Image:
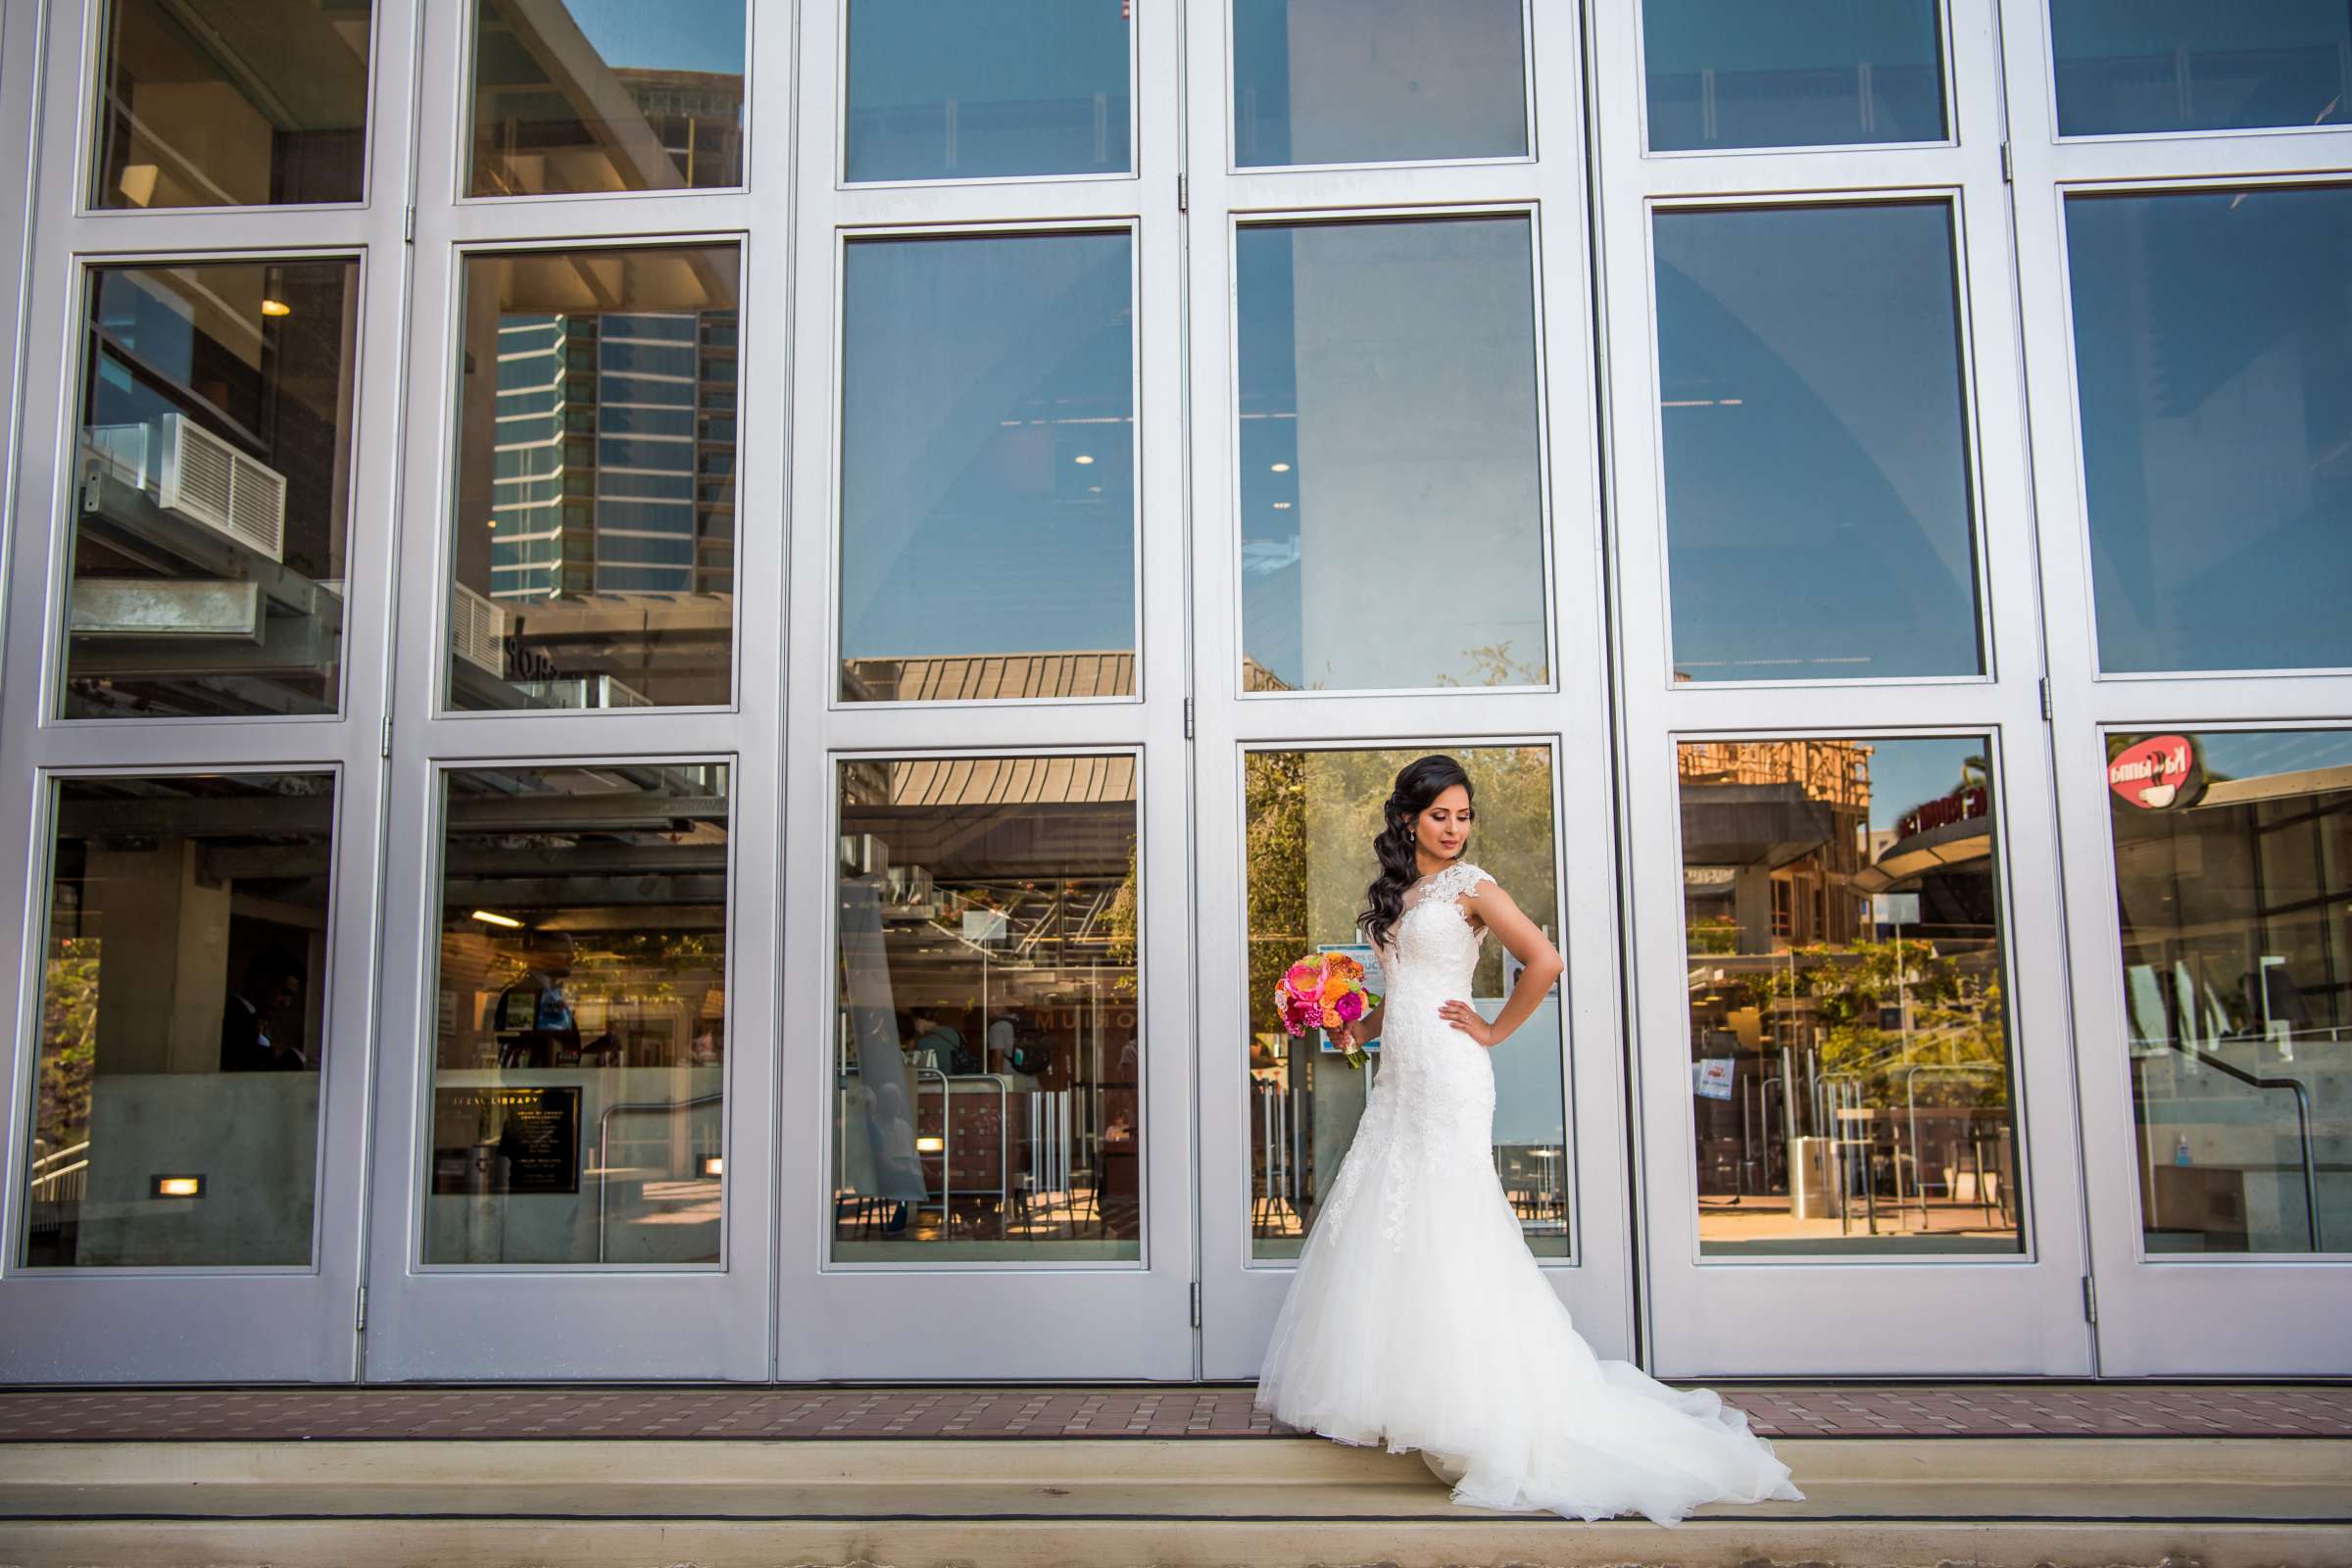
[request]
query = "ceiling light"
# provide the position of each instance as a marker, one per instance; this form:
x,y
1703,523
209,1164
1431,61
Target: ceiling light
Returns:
x,y
488,918
1281,506
930,1145
270,307
1082,458
1282,468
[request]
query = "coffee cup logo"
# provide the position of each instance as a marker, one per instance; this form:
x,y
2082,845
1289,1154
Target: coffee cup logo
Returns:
x,y
2158,772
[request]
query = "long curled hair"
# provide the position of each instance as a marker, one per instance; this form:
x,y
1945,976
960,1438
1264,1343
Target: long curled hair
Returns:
x,y
1418,783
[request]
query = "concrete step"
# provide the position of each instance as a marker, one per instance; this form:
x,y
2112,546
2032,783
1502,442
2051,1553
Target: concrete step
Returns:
x,y
1038,1503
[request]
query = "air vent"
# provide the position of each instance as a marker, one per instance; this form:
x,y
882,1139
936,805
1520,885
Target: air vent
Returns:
x,y
209,482
477,631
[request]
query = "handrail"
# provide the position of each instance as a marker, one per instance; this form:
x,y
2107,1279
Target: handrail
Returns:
x,y
604,1145
1911,1113
2302,1093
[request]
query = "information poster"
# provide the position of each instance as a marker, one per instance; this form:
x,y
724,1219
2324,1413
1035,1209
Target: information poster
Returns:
x,y
534,1132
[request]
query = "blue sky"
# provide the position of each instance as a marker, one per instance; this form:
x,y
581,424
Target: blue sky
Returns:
x,y
674,36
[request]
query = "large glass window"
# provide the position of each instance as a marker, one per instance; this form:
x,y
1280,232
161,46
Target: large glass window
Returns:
x,y
988,508
945,89
1818,513
182,1029
579,96
580,1023
1850,1071
988,1030
217,103
2233,882
2127,66
1312,815
212,490
1791,73
1376,81
595,519
2212,346
1389,431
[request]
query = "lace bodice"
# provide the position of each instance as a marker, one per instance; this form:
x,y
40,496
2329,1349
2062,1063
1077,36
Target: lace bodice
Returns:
x,y
1429,950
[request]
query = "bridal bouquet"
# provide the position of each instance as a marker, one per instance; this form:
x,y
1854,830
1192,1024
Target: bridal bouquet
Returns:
x,y
1324,991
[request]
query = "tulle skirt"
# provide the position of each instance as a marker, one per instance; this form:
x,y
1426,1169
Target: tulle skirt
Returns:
x,y
1419,1320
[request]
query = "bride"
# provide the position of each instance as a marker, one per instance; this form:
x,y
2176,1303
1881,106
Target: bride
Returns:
x,y
1418,1318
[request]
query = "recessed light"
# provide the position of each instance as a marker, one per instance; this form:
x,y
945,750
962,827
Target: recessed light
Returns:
x,y
1082,458
714,1165
930,1145
276,307
175,1186
1282,468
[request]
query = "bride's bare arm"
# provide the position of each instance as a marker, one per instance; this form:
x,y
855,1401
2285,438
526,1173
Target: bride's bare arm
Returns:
x,y
1541,963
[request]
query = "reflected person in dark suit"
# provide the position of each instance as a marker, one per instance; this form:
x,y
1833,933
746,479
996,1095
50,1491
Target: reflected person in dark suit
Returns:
x,y
272,987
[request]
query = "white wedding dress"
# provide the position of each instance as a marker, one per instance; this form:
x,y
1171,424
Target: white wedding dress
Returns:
x,y
1418,1318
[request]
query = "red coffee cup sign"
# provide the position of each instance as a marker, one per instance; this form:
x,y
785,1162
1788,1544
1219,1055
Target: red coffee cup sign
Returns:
x,y
2158,772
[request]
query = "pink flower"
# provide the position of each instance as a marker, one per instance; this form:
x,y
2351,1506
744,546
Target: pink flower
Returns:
x,y
1304,978
1350,1007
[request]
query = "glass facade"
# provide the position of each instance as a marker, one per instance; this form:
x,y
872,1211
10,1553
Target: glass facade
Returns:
x,y
1816,444
598,449
1734,74
675,674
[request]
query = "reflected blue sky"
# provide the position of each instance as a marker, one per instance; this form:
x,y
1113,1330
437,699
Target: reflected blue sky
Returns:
x,y
1904,773
988,468
1817,486
673,35
1791,73
2193,64
2213,344
949,90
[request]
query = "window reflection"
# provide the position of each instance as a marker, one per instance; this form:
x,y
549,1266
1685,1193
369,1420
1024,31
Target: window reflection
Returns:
x,y
2233,879
214,103
1850,1074
944,89
989,1023
580,1034
2129,66
1367,81
1816,464
214,490
988,468
579,96
1311,819
1388,380
2216,395
1791,73
182,1026
594,524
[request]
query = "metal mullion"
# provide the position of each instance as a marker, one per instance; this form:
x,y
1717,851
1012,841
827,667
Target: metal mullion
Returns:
x,y
1835,709
613,733
2174,702
1082,203
575,221
1411,185
1398,720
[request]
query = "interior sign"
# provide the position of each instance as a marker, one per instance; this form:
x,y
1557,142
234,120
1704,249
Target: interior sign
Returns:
x,y
2157,772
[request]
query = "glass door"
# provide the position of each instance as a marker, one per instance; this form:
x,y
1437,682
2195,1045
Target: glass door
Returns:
x,y
986,1028
1394,552
197,626
574,1127
2184,223
1855,1087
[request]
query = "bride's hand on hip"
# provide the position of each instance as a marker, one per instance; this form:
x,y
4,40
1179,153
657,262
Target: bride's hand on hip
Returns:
x,y
1465,1017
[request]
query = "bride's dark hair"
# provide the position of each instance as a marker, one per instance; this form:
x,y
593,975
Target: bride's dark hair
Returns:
x,y
1418,783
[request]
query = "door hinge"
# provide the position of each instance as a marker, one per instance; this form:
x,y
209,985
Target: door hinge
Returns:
x,y
386,749
1188,719
2090,1299
2045,699
360,1323
1183,193
2008,166
1196,1303
408,224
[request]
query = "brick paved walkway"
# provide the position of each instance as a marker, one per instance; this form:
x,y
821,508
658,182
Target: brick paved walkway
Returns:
x,y
1889,1410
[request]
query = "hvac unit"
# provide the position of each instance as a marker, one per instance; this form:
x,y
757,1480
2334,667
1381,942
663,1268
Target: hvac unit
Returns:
x,y
477,631
205,480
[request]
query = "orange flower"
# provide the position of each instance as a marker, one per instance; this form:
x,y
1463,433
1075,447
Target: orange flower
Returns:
x,y
1331,1018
